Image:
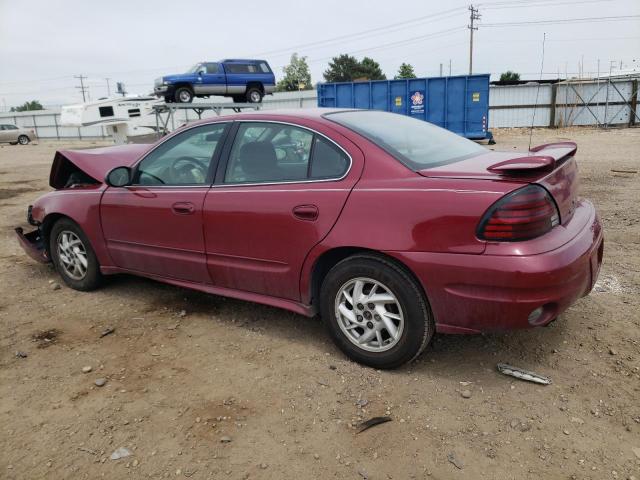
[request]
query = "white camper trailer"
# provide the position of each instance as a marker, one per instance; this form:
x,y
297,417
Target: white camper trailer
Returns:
x,y
127,119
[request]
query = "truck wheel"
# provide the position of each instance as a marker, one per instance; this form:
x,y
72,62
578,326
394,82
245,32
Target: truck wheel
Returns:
x,y
375,311
254,95
184,95
73,256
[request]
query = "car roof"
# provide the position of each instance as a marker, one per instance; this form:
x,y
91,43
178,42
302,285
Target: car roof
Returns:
x,y
289,113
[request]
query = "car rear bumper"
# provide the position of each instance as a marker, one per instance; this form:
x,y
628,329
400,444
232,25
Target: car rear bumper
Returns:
x,y
482,293
33,244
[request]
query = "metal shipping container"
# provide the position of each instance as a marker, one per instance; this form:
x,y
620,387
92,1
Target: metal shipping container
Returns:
x,y
459,104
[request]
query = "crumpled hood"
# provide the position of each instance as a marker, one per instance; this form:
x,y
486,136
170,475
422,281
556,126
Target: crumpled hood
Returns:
x,y
94,162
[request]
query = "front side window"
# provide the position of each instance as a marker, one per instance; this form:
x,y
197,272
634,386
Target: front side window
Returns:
x,y
212,68
184,159
273,152
415,143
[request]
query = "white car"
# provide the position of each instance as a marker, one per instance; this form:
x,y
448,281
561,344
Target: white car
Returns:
x,y
14,135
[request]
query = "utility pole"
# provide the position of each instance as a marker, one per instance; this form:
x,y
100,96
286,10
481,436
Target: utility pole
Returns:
x,y
108,88
440,69
473,15
449,67
82,88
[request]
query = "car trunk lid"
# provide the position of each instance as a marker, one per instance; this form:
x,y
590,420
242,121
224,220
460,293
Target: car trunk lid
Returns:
x,y
551,165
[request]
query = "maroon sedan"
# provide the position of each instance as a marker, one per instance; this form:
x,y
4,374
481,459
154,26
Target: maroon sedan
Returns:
x,y
391,228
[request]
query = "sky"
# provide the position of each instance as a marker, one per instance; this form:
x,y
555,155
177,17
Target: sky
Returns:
x,y
45,43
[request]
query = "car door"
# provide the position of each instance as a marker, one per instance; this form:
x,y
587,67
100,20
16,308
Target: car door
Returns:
x,y
279,190
211,80
154,225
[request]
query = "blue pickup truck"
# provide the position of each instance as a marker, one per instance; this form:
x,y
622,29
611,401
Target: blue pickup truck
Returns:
x,y
242,80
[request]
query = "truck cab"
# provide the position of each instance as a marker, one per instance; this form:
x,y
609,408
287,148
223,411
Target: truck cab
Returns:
x,y
241,79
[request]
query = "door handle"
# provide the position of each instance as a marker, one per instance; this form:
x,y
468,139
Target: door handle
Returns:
x,y
183,208
306,212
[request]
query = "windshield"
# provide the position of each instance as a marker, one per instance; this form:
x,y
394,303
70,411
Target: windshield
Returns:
x,y
195,68
416,143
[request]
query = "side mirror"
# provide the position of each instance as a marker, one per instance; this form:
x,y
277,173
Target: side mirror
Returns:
x,y
119,177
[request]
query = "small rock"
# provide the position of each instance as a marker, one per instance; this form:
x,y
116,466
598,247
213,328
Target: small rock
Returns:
x,y
263,466
107,331
363,474
577,420
225,439
332,367
182,313
466,393
87,369
613,351
455,461
20,354
119,453
55,286
363,402
565,431
135,463
316,456
100,382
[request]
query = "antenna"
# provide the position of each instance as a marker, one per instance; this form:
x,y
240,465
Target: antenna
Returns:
x,y
533,120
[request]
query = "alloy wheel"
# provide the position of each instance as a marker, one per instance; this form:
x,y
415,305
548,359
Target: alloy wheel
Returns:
x,y
369,314
72,254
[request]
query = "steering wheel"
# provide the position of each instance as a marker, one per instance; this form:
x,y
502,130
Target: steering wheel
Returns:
x,y
188,170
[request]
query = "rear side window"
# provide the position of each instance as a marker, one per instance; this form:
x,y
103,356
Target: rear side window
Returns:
x,y
241,68
327,161
415,143
266,152
264,67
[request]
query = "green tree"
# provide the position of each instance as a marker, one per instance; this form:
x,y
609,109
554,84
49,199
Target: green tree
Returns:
x,y
509,76
28,106
296,75
405,71
343,68
370,69
347,68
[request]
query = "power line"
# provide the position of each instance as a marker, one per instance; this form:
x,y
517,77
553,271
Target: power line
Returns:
x,y
563,21
365,33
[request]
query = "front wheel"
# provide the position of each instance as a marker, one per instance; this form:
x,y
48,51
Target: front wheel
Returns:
x,y
73,256
375,311
183,95
23,140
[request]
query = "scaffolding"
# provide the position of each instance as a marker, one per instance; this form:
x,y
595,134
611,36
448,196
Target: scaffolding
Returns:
x,y
166,112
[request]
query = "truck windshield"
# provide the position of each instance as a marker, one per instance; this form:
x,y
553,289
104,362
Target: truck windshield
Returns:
x,y
195,68
415,143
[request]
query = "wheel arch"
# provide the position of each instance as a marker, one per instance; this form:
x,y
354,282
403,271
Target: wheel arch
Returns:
x,y
255,84
328,259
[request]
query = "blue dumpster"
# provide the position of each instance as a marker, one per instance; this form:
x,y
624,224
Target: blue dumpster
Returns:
x,y
459,104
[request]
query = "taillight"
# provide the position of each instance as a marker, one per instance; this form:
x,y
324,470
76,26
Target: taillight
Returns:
x,y
524,214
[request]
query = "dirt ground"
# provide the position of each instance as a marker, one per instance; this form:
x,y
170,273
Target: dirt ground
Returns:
x,y
204,387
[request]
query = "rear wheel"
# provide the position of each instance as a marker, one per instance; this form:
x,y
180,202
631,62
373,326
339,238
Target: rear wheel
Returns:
x,y
23,140
73,256
183,95
254,95
375,311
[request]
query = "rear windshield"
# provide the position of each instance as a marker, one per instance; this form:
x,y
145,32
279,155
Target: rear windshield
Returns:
x,y
416,143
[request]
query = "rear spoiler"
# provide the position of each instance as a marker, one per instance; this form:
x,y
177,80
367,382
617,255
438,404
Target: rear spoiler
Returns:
x,y
531,163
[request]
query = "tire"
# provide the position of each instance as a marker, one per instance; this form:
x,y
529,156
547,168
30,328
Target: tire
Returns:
x,y
183,95
23,140
254,95
415,325
84,281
